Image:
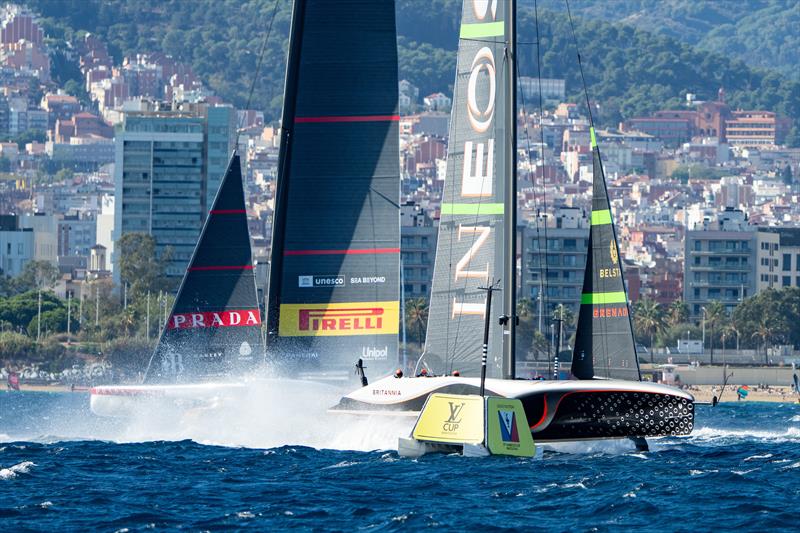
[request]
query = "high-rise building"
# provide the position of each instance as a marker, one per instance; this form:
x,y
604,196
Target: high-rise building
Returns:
x,y
16,245
418,235
728,260
168,166
554,258
720,261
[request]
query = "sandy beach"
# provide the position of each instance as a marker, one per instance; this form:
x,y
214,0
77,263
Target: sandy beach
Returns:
x,y
704,393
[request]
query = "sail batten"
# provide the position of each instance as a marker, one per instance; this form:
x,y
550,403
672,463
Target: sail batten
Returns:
x,y
214,329
604,343
335,270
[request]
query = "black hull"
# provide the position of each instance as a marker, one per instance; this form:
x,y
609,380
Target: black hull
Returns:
x,y
556,410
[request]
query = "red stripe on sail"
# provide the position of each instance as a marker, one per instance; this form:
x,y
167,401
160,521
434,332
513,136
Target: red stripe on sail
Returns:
x,y
363,251
227,211
215,319
355,118
222,267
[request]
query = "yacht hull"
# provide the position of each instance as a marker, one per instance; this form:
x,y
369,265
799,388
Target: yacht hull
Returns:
x,y
556,410
128,401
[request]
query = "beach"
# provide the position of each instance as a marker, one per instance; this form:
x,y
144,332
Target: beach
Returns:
x,y
776,394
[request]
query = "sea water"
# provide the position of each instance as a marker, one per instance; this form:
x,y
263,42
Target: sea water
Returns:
x,y
269,465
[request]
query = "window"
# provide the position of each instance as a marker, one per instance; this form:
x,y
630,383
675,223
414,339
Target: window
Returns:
x,y
697,260
697,293
787,281
697,246
787,262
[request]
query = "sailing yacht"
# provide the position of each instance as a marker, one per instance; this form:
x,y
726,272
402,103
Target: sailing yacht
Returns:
x,y
213,335
476,247
334,291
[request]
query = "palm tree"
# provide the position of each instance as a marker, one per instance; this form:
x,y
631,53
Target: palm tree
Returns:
x,y
715,315
728,330
417,316
128,320
524,309
677,313
648,320
764,332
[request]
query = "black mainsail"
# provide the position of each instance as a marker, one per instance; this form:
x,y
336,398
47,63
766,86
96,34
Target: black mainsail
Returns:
x,y
476,214
604,345
214,329
334,289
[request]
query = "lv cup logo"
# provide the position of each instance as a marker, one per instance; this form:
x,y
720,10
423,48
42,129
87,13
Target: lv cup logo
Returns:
x,y
452,422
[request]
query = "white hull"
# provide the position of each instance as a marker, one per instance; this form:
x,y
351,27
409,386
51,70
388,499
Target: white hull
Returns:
x,y
556,410
129,400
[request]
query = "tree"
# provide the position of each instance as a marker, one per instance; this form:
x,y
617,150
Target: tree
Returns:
x,y
140,267
677,313
417,317
764,332
715,315
648,320
36,275
786,174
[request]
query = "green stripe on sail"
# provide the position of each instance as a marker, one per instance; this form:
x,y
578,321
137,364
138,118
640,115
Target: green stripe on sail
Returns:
x,y
603,298
473,209
592,135
487,29
601,216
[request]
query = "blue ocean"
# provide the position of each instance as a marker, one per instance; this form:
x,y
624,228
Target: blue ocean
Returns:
x,y
250,467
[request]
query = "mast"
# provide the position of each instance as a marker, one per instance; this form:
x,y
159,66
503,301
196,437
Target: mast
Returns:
x,y
510,156
282,188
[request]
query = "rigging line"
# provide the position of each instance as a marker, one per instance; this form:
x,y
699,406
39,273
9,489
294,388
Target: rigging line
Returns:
x,y
536,218
613,227
580,64
258,64
379,193
543,292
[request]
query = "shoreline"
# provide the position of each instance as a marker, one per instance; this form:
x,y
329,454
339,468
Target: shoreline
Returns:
x,y
776,394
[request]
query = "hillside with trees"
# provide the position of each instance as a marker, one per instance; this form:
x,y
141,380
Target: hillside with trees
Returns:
x,y
762,33
630,71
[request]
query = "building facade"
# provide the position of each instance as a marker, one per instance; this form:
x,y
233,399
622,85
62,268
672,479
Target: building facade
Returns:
x,y
168,166
16,245
554,258
418,234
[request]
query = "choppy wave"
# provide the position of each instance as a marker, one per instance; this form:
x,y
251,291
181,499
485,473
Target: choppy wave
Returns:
x,y
254,466
12,471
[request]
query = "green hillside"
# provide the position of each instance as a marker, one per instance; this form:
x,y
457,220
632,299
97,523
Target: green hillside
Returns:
x,y
762,33
629,71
